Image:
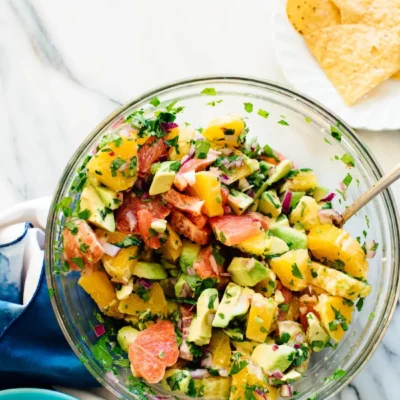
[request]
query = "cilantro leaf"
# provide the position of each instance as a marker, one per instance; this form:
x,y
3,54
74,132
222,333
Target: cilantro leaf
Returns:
x,y
209,92
335,133
296,272
347,180
155,102
283,122
211,301
128,242
248,107
78,261
263,113
348,160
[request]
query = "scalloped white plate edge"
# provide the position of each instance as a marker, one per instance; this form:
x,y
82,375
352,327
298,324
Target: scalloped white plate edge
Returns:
x,y
377,112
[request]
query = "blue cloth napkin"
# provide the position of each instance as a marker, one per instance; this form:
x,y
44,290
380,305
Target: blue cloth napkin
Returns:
x,y
33,350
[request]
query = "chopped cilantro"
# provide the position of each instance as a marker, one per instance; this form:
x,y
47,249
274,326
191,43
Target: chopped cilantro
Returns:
x,y
211,301
51,292
248,107
283,122
335,133
201,149
348,303
348,160
237,364
337,374
209,92
222,237
360,304
229,132
285,337
84,248
143,293
367,220
347,180
65,206
296,272
214,103
221,315
263,113
284,307
195,350
155,102
269,152
115,164
85,214
317,343
173,143
71,227
78,261
128,242
308,119
327,141
371,316
339,320
314,273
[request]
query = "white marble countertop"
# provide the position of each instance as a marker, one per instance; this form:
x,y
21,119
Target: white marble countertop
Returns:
x,y
65,65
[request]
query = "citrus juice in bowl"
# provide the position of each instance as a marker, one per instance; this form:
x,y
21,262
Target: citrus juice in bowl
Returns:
x,y
200,218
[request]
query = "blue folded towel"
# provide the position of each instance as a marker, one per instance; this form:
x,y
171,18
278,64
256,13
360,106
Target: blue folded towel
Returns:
x,y
33,350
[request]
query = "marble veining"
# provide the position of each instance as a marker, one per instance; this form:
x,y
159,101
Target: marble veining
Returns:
x,y
65,65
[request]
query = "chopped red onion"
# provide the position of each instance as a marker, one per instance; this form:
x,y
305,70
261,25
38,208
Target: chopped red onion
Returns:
x,y
299,338
369,246
215,171
117,123
191,271
213,153
225,162
275,347
342,186
110,249
93,151
251,193
226,151
286,391
99,330
329,197
145,283
329,216
163,157
227,210
145,196
191,151
225,179
223,372
189,177
185,159
277,374
206,362
167,126
199,373
110,377
198,137
125,132
132,220
287,198
214,264
296,346
253,146
271,171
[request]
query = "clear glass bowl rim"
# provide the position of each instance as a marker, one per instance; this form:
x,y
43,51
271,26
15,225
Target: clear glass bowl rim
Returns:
x,y
389,203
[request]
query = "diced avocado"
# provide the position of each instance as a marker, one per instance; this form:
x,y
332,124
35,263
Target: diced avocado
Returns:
x,y
291,376
189,253
247,271
149,270
177,380
200,328
182,289
172,306
245,347
174,272
276,247
164,177
239,202
319,193
254,205
265,167
289,330
235,302
296,196
125,290
234,334
282,220
99,214
272,359
269,204
268,285
126,336
294,238
213,388
166,264
316,334
281,170
110,198
168,286
159,225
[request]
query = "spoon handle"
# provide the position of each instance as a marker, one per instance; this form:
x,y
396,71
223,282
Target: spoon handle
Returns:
x,y
379,186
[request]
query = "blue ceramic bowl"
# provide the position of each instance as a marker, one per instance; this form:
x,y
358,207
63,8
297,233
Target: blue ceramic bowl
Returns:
x,y
33,394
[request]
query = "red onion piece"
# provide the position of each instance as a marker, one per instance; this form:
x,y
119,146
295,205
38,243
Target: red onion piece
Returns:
x,y
99,330
206,362
110,249
329,216
191,271
287,198
191,151
225,162
213,153
275,347
132,220
93,151
286,391
342,186
329,197
163,157
369,247
145,283
185,159
226,151
277,374
117,123
214,264
251,193
224,179
198,137
199,373
271,171
299,338
296,346
227,210
167,126
189,177
110,377
223,372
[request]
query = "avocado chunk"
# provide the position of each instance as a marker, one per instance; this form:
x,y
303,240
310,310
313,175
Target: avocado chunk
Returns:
x,y
254,205
272,359
125,290
245,347
234,334
291,376
235,302
239,202
177,380
281,220
200,328
247,271
164,177
288,332
296,196
213,388
126,336
319,193
292,237
268,285
149,270
189,253
166,264
269,204
100,215
159,225
182,288
111,198
316,334
276,247
265,167
281,170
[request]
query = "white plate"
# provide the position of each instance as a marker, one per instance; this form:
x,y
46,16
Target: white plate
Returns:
x,y
380,110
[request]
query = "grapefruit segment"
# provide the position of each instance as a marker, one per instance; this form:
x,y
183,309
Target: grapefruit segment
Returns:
x,y
152,239
149,153
206,265
182,224
185,203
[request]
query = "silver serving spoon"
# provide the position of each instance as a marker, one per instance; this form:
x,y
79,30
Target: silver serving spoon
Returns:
x,y
379,186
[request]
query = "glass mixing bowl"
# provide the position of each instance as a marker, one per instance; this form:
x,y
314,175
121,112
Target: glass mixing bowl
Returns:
x,y
308,142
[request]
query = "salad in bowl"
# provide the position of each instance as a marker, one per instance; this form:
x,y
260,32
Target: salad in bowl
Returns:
x,y
222,262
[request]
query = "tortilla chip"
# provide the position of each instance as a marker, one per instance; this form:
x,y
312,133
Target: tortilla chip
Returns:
x,y
307,16
356,58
